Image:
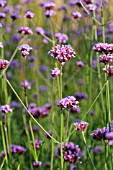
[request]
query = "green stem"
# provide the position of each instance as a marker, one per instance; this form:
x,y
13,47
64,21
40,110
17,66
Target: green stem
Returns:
x,y
30,113
4,144
88,110
88,151
61,122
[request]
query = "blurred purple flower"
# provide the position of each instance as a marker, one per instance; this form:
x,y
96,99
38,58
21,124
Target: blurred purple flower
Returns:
x,y
2,15
15,16
49,5
80,63
100,134
25,48
29,15
16,149
7,9
43,89
76,15
16,38
55,72
39,30
43,68
15,104
62,38
26,84
3,3
49,13
24,30
97,149
37,164
5,109
3,64
80,96
37,143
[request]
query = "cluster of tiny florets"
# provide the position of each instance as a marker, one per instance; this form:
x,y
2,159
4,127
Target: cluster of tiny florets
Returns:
x,y
68,102
25,49
63,53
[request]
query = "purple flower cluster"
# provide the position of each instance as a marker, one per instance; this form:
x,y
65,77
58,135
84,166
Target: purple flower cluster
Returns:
x,y
25,49
5,109
48,6
82,126
100,134
39,111
62,38
81,96
68,102
63,53
106,57
26,84
3,3
37,164
40,30
71,152
55,72
2,15
14,16
29,15
3,64
76,15
15,149
91,7
103,48
104,134
25,30
38,143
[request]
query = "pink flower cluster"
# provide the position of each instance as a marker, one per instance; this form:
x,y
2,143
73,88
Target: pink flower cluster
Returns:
x,y
106,57
63,53
68,102
82,126
3,64
103,48
48,6
25,49
76,14
55,72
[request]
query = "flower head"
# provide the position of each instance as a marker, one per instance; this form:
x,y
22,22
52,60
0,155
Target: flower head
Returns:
x,y
37,164
99,134
82,126
3,64
76,14
29,15
55,72
108,70
63,53
25,49
5,109
3,3
68,102
26,84
62,38
25,30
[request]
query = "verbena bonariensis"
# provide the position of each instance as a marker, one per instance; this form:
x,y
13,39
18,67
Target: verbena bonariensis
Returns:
x,y
63,53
